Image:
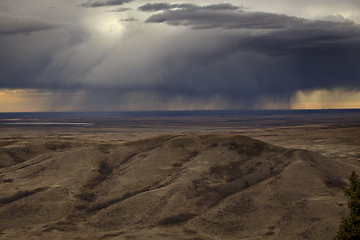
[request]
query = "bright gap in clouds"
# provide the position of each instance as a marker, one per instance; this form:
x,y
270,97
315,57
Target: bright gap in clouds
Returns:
x,y
105,24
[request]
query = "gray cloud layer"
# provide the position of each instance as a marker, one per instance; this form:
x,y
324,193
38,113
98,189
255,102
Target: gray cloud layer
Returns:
x,y
153,7
120,9
292,54
105,3
10,25
183,50
207,18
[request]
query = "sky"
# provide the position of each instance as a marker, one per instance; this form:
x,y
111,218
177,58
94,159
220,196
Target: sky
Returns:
x,y
108,55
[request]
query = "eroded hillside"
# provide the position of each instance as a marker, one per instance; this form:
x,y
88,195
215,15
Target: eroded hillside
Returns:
x,y
168,187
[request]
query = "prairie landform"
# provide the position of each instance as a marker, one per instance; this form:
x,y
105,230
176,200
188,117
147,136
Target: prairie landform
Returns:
x,y
73,183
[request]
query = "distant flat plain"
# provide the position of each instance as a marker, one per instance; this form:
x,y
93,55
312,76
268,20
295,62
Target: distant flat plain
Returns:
x,y
333,133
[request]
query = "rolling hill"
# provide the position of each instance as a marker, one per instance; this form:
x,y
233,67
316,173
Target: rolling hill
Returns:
x,y
189,187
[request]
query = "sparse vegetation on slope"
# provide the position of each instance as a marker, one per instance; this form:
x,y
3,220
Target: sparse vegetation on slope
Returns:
x,y
349,228
170,187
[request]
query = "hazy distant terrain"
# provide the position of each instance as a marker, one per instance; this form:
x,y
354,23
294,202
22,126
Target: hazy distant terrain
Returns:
x,y
200,182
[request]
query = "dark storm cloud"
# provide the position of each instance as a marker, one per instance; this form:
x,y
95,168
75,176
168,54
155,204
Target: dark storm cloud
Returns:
x,y
221,6
222,51
105,3
317,38
207,19
284,34
24,58
263,55
120,9
10,25
131,19
247,76
153,7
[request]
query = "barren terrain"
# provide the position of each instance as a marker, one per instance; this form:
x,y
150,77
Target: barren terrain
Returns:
x,y
205,181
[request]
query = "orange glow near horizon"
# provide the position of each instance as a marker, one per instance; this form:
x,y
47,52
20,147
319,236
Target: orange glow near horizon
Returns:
x,y
32,100
20,100
326,99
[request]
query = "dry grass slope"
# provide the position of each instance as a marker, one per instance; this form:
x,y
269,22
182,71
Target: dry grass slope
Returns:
x,y
168,187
